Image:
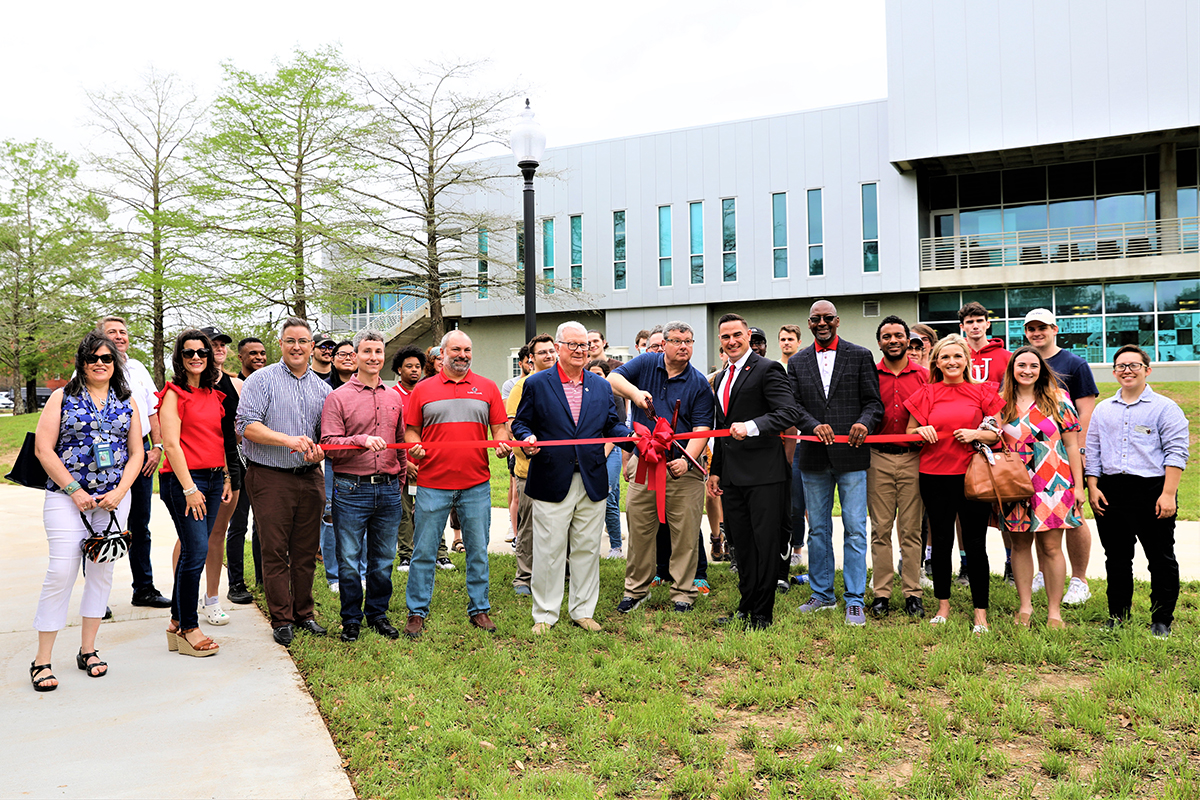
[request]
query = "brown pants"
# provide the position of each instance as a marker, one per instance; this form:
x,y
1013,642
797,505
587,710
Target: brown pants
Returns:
x,y
288,510
524,534
894,496
685,506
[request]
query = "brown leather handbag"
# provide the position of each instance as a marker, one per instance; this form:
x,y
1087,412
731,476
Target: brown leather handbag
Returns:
x,y
1007,481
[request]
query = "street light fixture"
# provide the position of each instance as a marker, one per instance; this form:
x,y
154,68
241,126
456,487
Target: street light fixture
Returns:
x,y
528,143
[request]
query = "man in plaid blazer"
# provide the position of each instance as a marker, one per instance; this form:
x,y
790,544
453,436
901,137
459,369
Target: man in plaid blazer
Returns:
x,y
837,391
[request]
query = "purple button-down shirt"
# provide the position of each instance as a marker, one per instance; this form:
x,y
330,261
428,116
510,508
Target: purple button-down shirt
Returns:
x,y
355,411
1139,438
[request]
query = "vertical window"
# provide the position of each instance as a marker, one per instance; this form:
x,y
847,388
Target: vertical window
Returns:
x,y
696,240
482,277
664,246
548,255
816,237
870,227
729,240
619,250
779,233
577,252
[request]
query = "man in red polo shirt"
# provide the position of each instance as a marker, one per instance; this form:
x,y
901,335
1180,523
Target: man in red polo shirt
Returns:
x,y
892,494
453,405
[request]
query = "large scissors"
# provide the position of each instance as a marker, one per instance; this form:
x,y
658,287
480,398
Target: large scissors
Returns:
x,y
674,419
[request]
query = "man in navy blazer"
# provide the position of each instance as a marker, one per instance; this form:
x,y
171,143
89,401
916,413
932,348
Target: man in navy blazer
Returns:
x,y
837,392
567,483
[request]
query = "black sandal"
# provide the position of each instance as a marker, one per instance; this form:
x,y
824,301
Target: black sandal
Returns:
x,y
82,661
38,683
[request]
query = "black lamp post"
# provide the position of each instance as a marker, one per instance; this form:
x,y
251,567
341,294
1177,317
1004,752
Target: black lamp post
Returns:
x,y
528,144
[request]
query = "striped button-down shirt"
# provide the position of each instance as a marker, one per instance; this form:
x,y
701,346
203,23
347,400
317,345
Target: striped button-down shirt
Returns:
x,y
285,404
1139,438
574,392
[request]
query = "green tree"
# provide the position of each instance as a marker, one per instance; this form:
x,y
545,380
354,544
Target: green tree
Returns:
x,y
146,174
271,178
51,250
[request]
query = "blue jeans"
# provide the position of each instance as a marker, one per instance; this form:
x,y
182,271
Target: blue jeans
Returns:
x,y
612,507
329,551
798,502
193,538
818,496
370,512
430,512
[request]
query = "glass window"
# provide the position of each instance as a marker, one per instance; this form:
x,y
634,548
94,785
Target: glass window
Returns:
x,y
1117,175
1186,200
1123,330
992,300
816,234
548,255
696,240
1179,337
1070,301
779,234
481,281
1071,180
816,260
1026,185
980,221
943,192
1186,168
619,281
1083,336
1121,298
1022,301
1182,295
1025,218
870,225
1072,213
939,305
1152,171
664,245
729,240
1121,208
577,252
979,189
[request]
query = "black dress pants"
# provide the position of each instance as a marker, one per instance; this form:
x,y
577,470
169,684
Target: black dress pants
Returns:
x,y
945,501
754,521
1129,518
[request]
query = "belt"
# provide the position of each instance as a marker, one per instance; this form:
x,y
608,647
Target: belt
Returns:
x,y
307,468
377,478
895,449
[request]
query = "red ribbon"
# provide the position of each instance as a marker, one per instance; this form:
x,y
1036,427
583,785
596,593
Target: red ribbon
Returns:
x,y
891,438
653,447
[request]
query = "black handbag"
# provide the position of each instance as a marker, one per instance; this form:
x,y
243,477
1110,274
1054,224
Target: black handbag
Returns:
x,y
28,470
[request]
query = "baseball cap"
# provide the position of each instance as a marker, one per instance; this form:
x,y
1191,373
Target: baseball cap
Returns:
x,y
215,334
1043,315
321,338
913,336
757,333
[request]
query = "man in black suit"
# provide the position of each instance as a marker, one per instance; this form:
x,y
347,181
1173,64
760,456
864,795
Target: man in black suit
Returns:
x,y
749,469
837,393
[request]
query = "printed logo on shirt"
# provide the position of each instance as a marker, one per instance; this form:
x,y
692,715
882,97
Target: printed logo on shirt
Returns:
x,y
980,372
474,390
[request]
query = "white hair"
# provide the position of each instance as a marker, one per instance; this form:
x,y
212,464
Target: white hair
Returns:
x,y
446,338
572,325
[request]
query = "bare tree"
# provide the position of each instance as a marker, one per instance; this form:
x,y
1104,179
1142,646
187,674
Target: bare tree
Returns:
x,y
150,127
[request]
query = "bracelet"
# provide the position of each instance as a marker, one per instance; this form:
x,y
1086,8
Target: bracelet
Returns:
x,y
72,487
156,446
189,492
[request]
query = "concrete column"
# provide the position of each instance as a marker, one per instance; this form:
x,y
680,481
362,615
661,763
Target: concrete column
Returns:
x,y
1168,199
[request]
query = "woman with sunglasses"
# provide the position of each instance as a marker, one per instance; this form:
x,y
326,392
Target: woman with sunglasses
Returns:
x,y
193,480
89,441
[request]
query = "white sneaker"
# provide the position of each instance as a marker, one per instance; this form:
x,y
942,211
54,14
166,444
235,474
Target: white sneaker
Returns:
x,y
216,615
1039,583
797,559
1077,593
615,553
926,583
335,587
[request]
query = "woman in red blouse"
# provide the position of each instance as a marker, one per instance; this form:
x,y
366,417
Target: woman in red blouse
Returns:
x,y
952,413
193,480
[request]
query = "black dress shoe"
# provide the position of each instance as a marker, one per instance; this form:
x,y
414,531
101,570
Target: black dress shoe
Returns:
x,y
312,627
284,634
1161,630
107,613
150,598
880,607
384,627
239,595
759,623
737,618
350,632
914,606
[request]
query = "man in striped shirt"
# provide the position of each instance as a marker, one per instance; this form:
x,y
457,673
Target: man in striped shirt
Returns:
x,y
279,419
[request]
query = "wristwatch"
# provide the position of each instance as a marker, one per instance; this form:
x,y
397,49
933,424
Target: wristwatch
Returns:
x,y
1083,451
156,446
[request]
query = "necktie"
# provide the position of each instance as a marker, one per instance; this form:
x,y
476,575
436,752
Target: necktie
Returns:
x,y
725,393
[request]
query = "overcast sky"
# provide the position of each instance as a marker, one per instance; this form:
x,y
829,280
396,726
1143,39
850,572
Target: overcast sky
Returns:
x,y
593,71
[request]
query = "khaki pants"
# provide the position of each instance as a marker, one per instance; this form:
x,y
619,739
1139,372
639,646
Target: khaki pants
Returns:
x,y
894,496
524,534
685,506
575,524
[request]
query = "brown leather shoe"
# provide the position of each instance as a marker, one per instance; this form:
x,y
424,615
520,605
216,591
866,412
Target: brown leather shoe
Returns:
x,y
483,622
588,624
415,626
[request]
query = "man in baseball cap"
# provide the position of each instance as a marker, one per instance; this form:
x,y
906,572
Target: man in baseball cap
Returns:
x,y
758,341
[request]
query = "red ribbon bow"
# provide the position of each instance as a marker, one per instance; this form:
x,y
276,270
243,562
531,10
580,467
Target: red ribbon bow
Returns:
x,y
653,447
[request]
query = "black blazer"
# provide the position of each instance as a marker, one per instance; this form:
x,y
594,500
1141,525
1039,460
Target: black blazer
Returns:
x,y
853,397
760,393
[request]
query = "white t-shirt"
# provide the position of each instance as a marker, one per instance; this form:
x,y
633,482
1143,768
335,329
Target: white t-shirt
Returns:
x,y
142,387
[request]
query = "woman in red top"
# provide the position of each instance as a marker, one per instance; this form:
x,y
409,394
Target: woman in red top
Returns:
x,y
193,479
952,413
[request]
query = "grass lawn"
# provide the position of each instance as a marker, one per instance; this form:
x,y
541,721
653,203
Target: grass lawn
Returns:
x,y
668,705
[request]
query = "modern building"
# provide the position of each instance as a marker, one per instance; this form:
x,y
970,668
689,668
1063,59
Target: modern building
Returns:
x,y
1038,155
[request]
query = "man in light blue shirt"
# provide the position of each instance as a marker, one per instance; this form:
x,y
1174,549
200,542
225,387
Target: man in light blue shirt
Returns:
x,y
1137,448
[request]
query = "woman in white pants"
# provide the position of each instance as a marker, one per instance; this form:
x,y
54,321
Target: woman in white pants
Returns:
x,y
89,442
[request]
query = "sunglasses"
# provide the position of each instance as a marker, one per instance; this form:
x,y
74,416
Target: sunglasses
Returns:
x,y
325,347
816,319
92,358
190,353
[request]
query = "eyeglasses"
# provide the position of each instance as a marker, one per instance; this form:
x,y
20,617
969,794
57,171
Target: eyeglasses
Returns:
x,y
1134,367
346,354
816,319
324,345
92,358
677,342
188,352
574,346
301,342
916,345
654,348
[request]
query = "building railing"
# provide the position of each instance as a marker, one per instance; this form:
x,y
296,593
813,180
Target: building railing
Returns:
x,y
1058,245
388,319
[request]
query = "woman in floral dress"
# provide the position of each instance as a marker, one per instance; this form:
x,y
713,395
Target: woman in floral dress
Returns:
x,y
1042,427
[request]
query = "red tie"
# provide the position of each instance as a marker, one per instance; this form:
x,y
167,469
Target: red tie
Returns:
x,y
725,394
